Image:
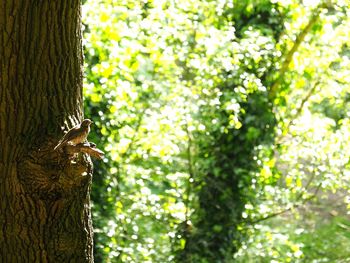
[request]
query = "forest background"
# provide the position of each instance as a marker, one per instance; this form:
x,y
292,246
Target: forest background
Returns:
x,y
226,129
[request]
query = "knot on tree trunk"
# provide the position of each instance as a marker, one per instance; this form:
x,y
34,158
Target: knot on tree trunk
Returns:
x,y
49,175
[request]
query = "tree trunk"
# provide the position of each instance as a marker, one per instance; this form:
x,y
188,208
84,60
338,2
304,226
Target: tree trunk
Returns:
x,y
44,204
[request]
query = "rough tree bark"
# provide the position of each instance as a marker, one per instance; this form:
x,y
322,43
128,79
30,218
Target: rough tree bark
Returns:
x,y
44,204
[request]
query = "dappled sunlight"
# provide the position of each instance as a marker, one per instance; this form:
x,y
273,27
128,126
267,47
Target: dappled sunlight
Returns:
x,y
225,126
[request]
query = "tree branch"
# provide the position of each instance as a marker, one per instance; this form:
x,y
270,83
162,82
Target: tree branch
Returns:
x,y
190,172
301,106
88,148
288,59
288,209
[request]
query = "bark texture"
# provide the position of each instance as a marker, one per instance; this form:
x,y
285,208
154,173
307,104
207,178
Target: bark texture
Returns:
x,y
44,203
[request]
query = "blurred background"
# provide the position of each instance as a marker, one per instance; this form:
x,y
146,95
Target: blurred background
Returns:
x,y
226,129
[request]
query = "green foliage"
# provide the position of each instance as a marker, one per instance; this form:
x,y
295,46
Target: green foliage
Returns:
x,y
309,238
318,246
202,163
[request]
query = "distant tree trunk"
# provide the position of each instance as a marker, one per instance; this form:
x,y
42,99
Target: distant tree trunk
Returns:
x,y
44,202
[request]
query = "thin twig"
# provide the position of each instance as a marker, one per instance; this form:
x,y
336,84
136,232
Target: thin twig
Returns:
x,y
288,209
190,172
279,139
301,106
133,138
